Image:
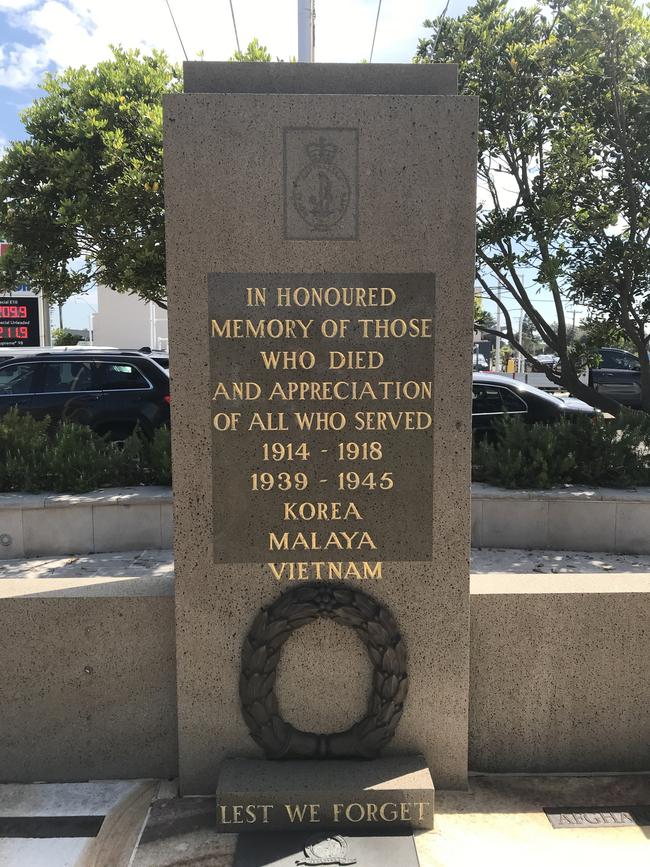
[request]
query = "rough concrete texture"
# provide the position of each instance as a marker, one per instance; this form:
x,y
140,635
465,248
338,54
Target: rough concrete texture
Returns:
x,y
578,688
87,685
559,674
371,795
499,820
224,212
317,78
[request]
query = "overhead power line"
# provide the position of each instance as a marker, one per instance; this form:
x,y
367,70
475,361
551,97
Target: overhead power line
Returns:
x,y
176,29
234,24
374,35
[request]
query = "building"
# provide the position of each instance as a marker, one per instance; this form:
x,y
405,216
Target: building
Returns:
x,y
128,322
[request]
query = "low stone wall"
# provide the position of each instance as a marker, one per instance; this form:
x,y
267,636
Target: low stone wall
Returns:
x,y
117,519
559,676
125,519
87,682
571,518
559,673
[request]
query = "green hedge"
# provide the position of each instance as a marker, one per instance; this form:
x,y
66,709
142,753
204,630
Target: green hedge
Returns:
x,y
70,458
583,451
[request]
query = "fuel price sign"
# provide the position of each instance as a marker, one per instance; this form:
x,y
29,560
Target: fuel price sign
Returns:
x,y
19,322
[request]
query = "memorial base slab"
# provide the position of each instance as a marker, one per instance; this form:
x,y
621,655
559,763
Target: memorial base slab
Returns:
x,y
292,848
381,795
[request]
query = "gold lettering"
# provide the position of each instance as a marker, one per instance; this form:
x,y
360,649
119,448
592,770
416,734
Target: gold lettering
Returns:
x,y
320,570
313,542
297,812
237,391
393,813
309,511
275,329
348,812
268,421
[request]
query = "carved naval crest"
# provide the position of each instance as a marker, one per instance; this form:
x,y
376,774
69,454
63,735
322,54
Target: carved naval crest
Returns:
x,y
320,851
321,190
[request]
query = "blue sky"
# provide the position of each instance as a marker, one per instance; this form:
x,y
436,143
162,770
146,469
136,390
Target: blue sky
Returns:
x,y
37,36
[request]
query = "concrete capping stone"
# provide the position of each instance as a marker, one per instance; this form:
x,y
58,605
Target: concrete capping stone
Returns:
x,y
573,518
145,495
22,501
114,519
320,78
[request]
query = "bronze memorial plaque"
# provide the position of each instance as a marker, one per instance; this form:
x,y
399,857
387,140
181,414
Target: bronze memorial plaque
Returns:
x,y
322,421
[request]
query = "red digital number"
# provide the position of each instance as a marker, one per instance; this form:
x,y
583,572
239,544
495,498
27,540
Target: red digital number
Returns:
x,y
12,312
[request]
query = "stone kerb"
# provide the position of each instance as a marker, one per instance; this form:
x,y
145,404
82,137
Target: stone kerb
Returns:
x,y
115,519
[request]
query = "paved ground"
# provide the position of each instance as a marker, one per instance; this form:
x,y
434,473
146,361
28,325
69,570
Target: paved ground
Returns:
x,y
152,572
500,821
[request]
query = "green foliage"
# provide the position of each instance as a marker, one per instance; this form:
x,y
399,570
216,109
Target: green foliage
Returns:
x,y
159,457
87,183
255,53
583,451
63,337
75,460
71,458
564,161
482,318
23,442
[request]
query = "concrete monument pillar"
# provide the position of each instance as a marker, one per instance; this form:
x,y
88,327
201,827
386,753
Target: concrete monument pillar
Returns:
x,y
320,248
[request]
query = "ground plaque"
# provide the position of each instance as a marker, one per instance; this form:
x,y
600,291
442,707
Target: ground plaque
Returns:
x,y
320,242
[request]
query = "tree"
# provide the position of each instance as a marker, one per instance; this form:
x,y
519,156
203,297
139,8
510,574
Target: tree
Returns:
x,y
482,318
255,53
63,337
564,162
81,199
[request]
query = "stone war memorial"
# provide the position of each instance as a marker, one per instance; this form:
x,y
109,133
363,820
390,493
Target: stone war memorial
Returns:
x,y
320,254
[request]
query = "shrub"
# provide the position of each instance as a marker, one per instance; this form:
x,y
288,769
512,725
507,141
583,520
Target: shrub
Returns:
x,y
23,442
588,451
159,457
35,456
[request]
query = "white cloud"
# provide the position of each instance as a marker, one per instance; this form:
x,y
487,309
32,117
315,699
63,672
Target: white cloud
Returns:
x,y
21,65
15,5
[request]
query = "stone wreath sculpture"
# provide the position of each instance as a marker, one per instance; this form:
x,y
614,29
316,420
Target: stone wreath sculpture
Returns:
x,y
378,630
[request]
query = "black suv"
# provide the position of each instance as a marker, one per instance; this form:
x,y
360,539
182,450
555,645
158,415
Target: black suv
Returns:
x,y
110,391
618,375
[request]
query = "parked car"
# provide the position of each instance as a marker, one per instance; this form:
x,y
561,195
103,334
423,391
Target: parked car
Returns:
x,y
160,357
494,396
618,375
110,391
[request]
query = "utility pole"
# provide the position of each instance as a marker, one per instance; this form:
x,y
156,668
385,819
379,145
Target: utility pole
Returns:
x,y
497,345
520,357
306,36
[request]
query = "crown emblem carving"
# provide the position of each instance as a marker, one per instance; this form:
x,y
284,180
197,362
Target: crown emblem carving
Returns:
x,y
321,151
